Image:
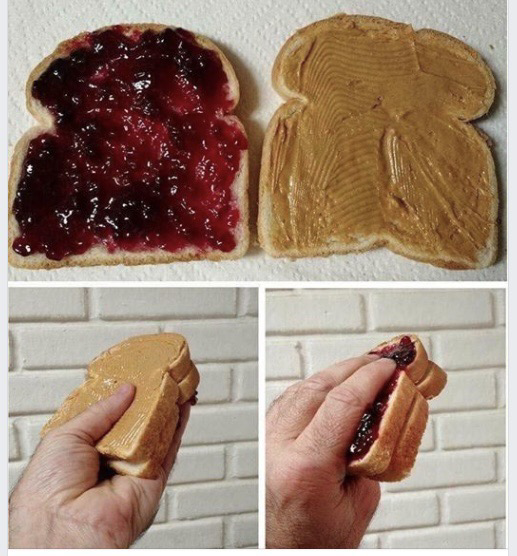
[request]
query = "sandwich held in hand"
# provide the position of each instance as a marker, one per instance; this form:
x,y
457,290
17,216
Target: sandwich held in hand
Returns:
x,y
160,368
373,146
138,158
389,435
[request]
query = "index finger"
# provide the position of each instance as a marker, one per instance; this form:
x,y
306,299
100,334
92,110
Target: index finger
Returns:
x,y
295,408
334,426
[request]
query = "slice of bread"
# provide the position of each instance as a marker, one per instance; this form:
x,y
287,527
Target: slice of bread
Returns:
x,y
433,381
373,147
102,251
410,438
394,432
159,366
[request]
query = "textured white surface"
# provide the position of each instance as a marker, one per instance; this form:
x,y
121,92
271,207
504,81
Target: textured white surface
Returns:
x,y
251,33
455,495
212,495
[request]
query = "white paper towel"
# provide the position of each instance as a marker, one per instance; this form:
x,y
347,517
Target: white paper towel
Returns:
x,y
251,32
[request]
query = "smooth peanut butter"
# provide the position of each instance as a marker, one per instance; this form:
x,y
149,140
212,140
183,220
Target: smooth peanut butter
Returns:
x,y
373,147
154,364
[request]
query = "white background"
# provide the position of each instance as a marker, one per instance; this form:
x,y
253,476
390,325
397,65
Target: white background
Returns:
x,y
211,497
251,32
455,495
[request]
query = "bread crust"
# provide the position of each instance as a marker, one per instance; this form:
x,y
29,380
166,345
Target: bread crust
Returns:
x,y
406,449
293,100
187,386
433,382
99,255
148,466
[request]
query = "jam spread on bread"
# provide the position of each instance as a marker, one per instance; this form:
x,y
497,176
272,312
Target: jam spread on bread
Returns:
x,y
368,429
403,353
141,156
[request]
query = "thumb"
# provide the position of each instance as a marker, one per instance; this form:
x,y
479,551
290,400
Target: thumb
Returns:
x,y
95,421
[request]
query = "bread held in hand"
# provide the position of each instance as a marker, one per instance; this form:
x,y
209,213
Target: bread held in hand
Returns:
x,y
160,368
390,432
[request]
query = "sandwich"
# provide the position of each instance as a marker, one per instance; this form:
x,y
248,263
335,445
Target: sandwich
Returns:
x,y
373,146
137,158
160,368
391,429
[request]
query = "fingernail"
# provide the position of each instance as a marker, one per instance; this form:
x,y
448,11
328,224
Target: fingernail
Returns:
x,y
124,388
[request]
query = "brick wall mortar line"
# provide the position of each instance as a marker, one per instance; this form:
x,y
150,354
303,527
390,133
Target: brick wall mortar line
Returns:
x,y
179,319
493,303
226,540
442,507
433,526
78,367
336,335
93,304
240,309
86,301
197,483
465,412
227,454
300,349
232,482
166,321
367,311
233,386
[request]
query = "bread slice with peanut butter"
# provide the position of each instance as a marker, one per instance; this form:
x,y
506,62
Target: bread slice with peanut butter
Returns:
x,y
160,367
373,146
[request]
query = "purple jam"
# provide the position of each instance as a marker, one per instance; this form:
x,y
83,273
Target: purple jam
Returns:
x,y
140,157
193,400
403,353
368,430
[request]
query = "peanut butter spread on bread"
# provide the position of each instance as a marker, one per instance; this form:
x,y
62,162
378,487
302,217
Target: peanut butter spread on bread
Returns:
x,y
155,364
373,146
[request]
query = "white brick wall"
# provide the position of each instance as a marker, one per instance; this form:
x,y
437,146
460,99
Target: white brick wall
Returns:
x,y
211,497
455,496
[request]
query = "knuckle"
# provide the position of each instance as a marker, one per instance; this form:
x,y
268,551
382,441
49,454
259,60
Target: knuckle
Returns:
x,y
287,394
350,397
326,436
315,383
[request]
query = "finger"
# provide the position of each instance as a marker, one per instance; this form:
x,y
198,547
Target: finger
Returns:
x,y
333,428
94,422
294,410
170,458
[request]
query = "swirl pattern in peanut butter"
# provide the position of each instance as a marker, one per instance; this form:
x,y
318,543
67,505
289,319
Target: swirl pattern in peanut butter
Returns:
x,y
373,146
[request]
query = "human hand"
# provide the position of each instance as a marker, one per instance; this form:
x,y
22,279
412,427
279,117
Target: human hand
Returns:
x,y
310,501
62,502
